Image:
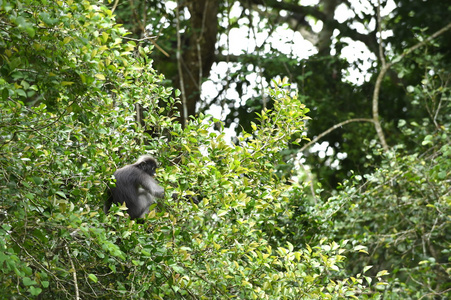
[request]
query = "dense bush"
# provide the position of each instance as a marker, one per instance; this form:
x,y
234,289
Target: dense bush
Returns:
x,y
401,211
70,85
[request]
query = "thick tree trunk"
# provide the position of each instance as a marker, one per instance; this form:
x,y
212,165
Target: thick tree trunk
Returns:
x,y
325,36
199,54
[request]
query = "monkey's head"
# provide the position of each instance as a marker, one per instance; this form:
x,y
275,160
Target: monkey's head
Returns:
x,y
148,164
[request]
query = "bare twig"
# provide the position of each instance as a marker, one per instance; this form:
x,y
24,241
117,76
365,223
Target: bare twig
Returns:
x,y
379,29
144,14
332,129
413,48
310,179
31,256
74,273
152,39
135,15
139,40
138,110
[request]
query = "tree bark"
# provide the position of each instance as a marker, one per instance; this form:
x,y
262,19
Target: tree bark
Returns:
x,y
199,54
325,36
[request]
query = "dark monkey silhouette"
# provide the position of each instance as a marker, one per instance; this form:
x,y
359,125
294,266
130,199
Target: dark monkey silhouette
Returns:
x,y
136,186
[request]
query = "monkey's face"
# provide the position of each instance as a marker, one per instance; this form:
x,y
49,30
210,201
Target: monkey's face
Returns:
x,y
149,167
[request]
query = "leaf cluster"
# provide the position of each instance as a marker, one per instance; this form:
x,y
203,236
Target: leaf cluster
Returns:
x,y
70,85
401,213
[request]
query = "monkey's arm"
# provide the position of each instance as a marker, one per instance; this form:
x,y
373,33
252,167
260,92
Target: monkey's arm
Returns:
x,y
153,187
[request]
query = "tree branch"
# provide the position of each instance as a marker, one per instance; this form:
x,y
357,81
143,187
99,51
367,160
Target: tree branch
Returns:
x,y
385,67
298,13
377,86
336,126
413,48
74,273
377,123
114,6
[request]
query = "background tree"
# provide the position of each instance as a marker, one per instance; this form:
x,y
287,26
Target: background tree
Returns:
x,y
70,82
337,79
71,79
187,51
401,210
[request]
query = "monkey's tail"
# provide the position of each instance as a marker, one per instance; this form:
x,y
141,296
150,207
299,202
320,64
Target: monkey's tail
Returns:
x,y
108,201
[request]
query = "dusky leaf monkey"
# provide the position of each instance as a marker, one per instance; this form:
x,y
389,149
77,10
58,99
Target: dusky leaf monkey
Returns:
x,y
136,186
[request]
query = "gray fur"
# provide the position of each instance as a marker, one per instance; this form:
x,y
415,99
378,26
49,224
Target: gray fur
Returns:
x,y
136,186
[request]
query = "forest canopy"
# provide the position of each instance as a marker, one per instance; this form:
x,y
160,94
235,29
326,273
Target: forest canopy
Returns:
x,y
87,86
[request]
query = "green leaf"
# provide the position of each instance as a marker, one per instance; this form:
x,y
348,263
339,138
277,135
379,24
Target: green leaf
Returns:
x,y
92,277
35,290
366,268
25,26
221,213
382,273
428,140
45,17
61,194
361,248
442,175
105,37
5,94
27,281
100,76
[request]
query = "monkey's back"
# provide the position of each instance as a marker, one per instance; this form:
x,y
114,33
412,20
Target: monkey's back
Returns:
x,y
128,181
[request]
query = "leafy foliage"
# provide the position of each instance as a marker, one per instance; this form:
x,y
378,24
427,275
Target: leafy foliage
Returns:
x,y
70,84
402,214
401,211
342,48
